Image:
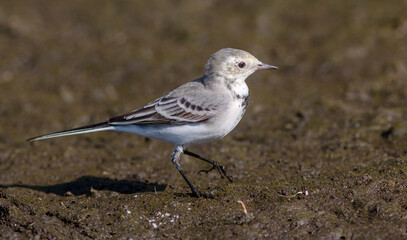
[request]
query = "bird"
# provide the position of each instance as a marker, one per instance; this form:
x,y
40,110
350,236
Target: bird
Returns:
x,y
199,111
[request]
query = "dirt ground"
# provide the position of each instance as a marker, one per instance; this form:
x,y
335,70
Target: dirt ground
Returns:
x,y
320,153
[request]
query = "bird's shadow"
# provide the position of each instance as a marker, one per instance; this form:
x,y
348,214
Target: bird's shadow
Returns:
x,y
83,185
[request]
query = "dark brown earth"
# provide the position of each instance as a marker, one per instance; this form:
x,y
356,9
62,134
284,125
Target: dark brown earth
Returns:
x,y
331,122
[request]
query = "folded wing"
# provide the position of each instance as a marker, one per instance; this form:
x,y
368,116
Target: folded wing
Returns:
x,y
167,110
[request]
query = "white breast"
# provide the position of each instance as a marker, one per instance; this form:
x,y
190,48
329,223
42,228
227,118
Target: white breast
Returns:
x,y
239,94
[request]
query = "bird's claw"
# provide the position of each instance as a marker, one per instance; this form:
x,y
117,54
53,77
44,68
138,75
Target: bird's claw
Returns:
x,y
199,194
221,170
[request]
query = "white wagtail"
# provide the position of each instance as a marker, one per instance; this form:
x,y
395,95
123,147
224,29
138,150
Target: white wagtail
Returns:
x,y
199,111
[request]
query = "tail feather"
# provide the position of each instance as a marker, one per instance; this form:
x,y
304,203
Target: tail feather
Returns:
x,y
86,129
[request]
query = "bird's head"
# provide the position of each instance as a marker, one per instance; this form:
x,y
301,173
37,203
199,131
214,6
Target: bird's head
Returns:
x,y
234,64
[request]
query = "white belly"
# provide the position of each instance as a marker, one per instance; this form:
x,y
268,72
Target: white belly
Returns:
x,y
184,135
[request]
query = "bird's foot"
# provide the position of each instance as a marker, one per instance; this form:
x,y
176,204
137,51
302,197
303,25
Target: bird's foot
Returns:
x,y
221,170
202,195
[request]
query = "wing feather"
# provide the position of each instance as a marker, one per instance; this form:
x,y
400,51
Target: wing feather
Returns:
x,y
166,110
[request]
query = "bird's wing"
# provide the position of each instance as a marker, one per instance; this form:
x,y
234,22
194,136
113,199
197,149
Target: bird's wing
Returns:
x,y
174,109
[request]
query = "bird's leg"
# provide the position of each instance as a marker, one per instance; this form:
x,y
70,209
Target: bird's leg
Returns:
x,y
215,165
175,160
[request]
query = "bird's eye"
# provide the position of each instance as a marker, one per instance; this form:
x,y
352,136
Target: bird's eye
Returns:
x,y
241,64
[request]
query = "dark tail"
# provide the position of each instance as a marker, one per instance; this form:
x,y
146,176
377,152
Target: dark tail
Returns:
x,y
86,129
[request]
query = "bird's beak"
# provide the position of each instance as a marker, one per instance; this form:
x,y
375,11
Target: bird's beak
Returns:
x,y
266,66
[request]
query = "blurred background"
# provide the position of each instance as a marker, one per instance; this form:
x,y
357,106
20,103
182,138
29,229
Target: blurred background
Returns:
x,y
332,120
